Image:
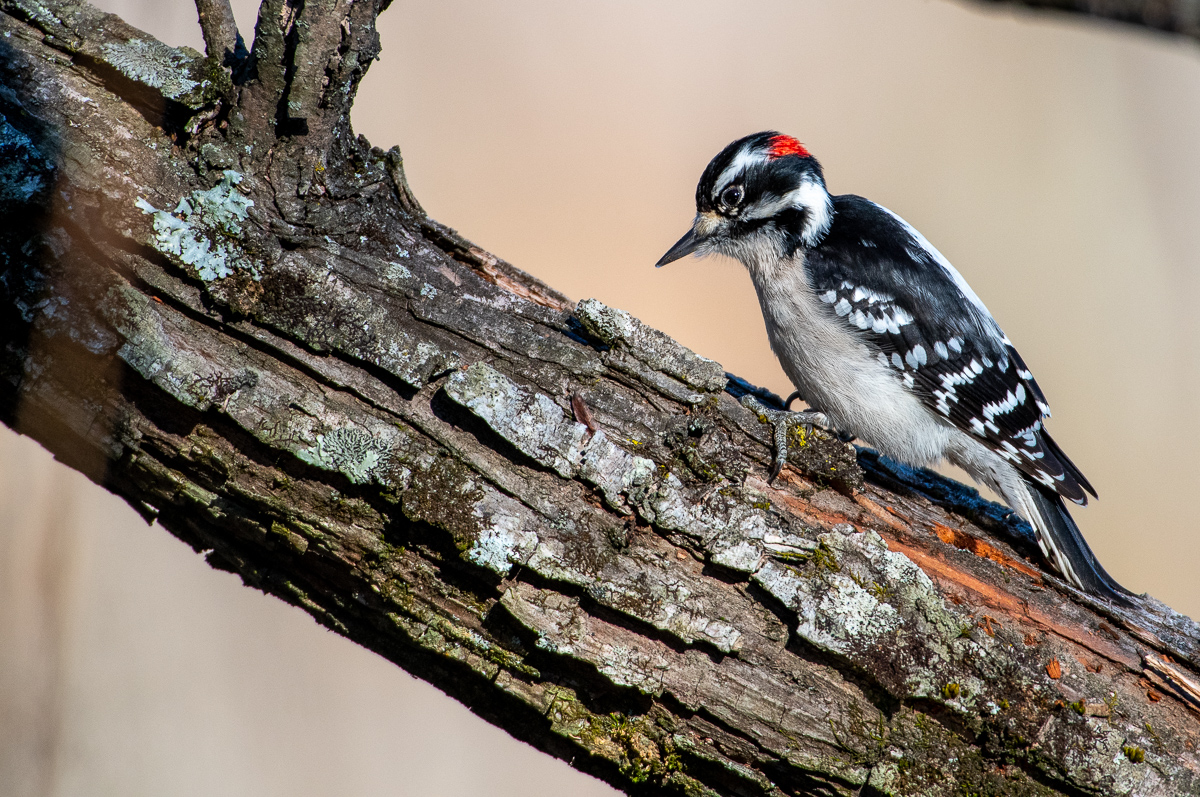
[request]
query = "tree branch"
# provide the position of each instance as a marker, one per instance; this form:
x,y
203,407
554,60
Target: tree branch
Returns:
x,y
553,512
308,59
221,38
1172,16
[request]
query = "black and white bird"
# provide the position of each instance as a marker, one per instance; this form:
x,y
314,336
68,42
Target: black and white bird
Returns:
x,y
885,340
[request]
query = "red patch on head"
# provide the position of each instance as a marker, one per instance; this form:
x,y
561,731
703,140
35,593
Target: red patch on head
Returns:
x,y
786,145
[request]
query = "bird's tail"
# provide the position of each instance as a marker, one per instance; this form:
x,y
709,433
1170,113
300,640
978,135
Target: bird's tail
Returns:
x,y
1063,544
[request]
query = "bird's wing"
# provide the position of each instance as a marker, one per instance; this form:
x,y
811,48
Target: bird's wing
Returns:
x,y
904,299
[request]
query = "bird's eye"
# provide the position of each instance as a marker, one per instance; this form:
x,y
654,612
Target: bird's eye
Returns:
x,y
732,196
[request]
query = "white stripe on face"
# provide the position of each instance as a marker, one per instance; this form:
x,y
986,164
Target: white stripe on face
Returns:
x,y
811,196
746,157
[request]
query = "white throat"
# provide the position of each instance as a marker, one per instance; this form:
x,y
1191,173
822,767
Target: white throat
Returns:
x,y
761,254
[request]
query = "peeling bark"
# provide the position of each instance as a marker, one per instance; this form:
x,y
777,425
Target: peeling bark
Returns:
x,y
222,306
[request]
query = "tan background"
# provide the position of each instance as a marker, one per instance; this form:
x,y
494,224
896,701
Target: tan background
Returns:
x,y
1055,163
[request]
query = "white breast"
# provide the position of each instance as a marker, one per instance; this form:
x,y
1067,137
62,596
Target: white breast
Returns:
x,y
836,372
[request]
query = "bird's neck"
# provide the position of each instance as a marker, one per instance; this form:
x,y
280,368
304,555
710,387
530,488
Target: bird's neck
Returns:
x,y
767,261
818,214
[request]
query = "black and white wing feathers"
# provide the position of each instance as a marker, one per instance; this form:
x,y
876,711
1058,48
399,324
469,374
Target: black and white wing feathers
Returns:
x,y
903,298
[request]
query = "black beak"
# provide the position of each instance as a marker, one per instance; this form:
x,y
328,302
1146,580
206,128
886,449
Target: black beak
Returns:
x,y
684,247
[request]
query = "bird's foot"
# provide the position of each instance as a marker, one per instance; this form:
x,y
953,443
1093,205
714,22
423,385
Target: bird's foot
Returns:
x,y
782,422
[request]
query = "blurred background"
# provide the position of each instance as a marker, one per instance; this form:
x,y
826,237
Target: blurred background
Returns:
x,y
1053,160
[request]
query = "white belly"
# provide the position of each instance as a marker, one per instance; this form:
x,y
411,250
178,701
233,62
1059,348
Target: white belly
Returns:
x,y
837,373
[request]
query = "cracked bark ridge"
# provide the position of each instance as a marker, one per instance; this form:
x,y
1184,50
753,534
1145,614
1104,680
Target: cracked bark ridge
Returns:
x,y
246,327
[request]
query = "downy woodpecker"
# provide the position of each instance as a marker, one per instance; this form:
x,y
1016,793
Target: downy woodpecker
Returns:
x,y
885,340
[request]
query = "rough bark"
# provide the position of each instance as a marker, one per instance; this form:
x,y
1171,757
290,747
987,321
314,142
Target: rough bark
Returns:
x,y
221,305
221,37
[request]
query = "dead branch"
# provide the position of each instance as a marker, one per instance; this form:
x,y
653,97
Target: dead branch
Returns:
x,y
221,38
1172,16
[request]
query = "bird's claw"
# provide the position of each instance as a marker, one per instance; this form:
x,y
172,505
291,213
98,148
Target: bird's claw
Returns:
x,y
782,422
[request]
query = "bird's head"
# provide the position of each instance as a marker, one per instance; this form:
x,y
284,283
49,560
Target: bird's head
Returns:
x,y
762,196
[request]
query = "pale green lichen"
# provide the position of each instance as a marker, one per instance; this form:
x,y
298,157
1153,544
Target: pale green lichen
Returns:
x,y
157,65
618,328
203,229
502,540
398,271
350,451
613,471
854,597
529,420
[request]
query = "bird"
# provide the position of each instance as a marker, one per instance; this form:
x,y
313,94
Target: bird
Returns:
x,y
885,340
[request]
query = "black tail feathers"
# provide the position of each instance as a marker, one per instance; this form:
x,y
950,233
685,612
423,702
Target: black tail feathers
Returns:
x,y
1066,543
